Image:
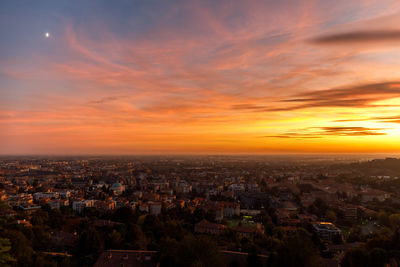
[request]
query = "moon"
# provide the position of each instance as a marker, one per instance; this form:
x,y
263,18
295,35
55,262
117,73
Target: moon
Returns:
x,y
47,35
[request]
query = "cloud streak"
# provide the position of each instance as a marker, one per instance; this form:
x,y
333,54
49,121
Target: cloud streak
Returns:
x,y
355,37
385,119
331,131
352,96
358,96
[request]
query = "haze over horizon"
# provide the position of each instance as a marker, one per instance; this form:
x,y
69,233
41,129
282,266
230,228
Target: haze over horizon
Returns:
x,y
199,77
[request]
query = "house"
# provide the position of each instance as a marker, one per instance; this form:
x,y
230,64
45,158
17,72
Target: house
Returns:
x,y
184,188
328,195
79,206
350,212
143,207
58,203
206,227
227,194
19,200
230,209
289,206
151,196
8,212
64,239
118,258
180,203
106,205
237,188
154,208
24,223
39,195
248,232
281,216
326,230
30,208
214,208
305,219
138,194
371,194
307,199
64,194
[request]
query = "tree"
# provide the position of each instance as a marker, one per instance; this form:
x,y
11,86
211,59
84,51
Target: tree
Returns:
x,y
330,216
234,263
39,217
40,260
357,257
354,234
90,244
382,238
123,214
190,251
115,239
135,239
57,219
321,206
5,257
252,259
383,218
169,253
394,221
20,248
297,250
41,238
379,257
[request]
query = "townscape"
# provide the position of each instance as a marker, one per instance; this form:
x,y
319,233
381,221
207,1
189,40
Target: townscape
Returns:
x,y
204,210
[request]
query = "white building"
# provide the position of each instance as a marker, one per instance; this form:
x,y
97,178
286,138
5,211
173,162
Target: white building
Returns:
x,y
79,206
39,195
64,194
154,208
237,187
58,203
144,207
231,209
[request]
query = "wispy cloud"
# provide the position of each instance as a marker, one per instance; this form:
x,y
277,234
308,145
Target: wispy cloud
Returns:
x,y
294,135
358,96
319,132
104,100
384,119
351,131
359,37
353,96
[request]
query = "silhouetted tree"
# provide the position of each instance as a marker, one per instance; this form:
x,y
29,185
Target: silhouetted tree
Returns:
x,y
20,247
190,251
358,257
5,257
123,214
297,250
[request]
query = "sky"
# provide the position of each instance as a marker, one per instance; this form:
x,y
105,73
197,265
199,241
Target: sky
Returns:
x,y
199,77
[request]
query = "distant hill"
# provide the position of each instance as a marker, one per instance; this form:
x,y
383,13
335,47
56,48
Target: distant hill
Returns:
x,y
388,166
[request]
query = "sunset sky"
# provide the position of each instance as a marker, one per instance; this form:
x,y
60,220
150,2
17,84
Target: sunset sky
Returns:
x,y
147,76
